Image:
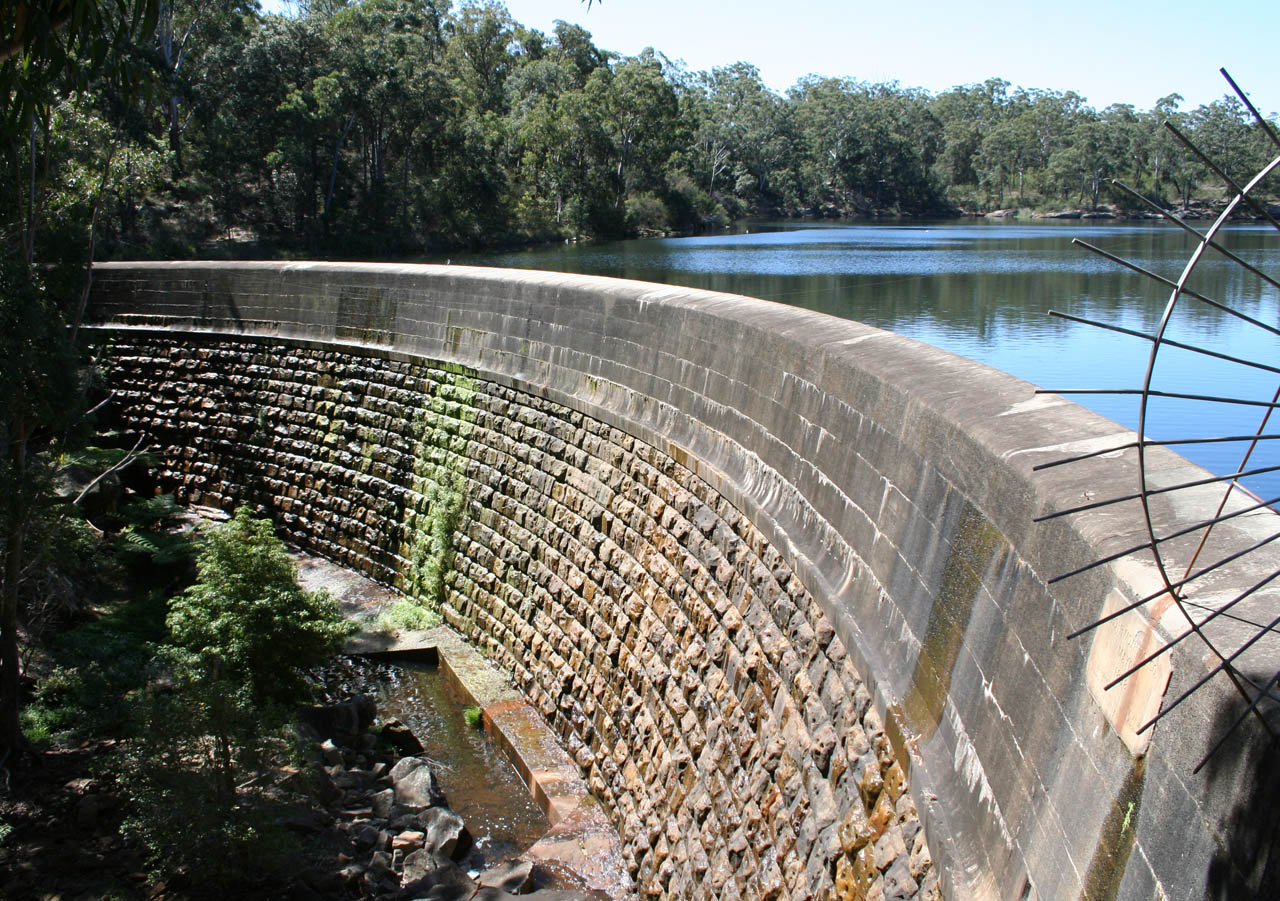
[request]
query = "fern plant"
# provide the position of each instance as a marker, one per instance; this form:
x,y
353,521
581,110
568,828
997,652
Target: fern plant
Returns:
x,y
152,531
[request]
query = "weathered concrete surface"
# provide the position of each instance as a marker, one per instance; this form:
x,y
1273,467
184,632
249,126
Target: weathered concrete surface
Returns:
x,y
886,483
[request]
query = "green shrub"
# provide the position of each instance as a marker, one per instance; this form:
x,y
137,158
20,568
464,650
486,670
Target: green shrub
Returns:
x,y
151,532
101,667
242,637
646,213
247,621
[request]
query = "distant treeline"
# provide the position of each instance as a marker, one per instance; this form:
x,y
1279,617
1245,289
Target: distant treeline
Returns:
x,y
399,125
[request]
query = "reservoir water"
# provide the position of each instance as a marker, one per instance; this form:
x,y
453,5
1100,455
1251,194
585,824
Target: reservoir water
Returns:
x,y
984,289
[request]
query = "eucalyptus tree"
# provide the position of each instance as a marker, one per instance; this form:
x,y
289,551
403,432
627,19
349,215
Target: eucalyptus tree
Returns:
x,y
1053,115
967,113
711,146
1227,134
639,109
548,136
743,137
1005,153
1164,150
259,122
390,85
823,112
277,121
52,52
871,146
185,31
573,45
1132,143
480,53
1094,154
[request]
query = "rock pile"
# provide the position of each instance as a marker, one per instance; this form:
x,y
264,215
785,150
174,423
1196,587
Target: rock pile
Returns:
x,y
397,835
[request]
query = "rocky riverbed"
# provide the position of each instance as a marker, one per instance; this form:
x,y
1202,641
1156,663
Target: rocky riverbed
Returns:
x,y
397,836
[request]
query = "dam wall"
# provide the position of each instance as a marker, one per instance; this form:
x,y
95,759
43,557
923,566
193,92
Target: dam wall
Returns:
x,y
773,577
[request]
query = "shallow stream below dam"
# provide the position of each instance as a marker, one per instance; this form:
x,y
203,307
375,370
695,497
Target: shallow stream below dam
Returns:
x,y
478,780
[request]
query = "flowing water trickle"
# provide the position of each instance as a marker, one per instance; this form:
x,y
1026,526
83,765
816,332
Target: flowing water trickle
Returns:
x,y
479,782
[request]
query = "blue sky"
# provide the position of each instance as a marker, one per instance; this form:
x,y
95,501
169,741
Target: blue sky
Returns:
x,y
1121,51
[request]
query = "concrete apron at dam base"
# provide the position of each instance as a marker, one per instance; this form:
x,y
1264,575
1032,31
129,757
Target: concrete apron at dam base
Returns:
x,y
581,841
772,578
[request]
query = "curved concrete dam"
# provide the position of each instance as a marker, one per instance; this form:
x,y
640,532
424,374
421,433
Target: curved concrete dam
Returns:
x,y
773,577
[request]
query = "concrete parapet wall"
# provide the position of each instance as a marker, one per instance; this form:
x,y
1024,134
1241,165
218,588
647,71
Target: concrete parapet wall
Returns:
x,y
771,575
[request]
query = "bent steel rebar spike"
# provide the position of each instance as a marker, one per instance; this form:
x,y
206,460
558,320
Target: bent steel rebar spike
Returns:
x,y
1242,194
1168,442
1164,489
1189,632
1251,708
1244,98
1194,527
1170,283
1181,562
1181,345
1181,223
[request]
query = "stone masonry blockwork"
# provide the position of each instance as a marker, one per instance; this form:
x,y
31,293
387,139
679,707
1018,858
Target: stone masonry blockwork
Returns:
x,y
568,463
700,688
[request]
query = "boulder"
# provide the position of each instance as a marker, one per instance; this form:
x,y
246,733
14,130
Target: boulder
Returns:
x,y
382,802
403,767
399,736
330,753
364,835
447,893
352,779
380,863
444,833
408,841
325,789
415,784
513,876
428,876
351,873
421,863
342,722
489,893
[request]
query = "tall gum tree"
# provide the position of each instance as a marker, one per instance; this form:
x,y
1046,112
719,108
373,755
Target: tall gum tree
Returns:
x,y
51,51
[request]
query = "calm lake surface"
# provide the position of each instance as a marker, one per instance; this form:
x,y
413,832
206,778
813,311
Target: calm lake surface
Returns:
x,y
985,289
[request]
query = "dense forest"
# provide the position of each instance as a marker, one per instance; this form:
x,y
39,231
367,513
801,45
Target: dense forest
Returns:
x,y
410,125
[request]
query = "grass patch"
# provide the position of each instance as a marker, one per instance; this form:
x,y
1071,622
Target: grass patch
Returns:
x,y
406,613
